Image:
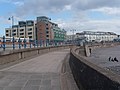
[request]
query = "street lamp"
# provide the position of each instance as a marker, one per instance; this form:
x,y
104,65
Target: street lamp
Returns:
x,y
73,35
12,23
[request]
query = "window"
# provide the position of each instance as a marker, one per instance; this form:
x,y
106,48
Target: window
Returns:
x,y
30,36
47,35
21,33
30,23
47,24
6,30
47,28
21,30
7,35
13,30
29,33
14,34
29,29
22,25
47,32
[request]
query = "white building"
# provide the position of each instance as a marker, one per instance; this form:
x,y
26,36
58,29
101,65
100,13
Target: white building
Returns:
x,y
96,36
24,29
70,37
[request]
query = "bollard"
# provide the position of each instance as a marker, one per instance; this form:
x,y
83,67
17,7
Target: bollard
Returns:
x,y
13,41
46,43
37,42
30,43
34,43
40,43
3,43
19,41
43,43
24,41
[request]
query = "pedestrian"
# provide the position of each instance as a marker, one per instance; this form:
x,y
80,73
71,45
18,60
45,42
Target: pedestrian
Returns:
x,y
115,59
112,60
90,50
109,58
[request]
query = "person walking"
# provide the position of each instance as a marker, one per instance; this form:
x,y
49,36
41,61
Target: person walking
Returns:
x,y
115,59
109,58
112,60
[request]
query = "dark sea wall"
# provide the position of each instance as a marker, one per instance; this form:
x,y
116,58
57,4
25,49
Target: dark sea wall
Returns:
x,y
91,77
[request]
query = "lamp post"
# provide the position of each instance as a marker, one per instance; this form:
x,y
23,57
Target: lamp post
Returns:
x,y
12,23
73,35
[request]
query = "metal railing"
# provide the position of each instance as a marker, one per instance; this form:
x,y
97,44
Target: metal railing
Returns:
x,y
13,44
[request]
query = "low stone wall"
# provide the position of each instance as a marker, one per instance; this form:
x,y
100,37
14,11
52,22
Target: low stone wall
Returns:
x,y
7,57
91,77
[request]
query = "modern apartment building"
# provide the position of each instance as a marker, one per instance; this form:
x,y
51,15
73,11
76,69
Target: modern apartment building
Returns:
x,y
96,36
24,29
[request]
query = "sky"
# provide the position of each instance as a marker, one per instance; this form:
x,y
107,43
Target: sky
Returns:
x,y
71,15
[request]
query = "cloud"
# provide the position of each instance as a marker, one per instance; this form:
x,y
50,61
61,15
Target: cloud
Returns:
x,y
94,4
37,7
109,10
15,2
79,9
6,21
18,3
90,25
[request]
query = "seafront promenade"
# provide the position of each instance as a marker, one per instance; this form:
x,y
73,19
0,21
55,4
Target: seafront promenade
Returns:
x,y
38,73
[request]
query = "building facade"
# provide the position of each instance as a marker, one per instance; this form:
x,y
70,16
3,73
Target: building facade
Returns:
x,y
58,34
49,31
41,30
24,29
90,36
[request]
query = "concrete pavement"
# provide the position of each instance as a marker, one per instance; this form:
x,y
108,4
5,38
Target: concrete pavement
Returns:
x,y
39,73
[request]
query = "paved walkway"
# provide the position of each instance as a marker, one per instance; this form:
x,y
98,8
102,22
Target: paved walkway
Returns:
x,y
40,73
